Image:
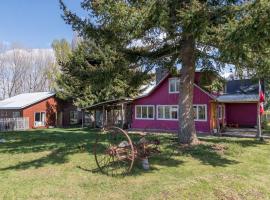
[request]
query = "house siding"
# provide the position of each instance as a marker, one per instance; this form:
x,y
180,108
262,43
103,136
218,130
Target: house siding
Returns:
x,y
49,106
161,96
243,114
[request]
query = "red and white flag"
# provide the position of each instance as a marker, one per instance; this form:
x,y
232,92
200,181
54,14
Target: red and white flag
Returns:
x,y
262,97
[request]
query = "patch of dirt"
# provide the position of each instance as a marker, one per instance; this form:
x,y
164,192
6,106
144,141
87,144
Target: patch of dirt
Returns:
x,y
254,194
219,148
188,146
226,195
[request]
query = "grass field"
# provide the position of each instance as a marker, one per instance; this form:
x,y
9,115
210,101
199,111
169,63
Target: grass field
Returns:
x,y
59,164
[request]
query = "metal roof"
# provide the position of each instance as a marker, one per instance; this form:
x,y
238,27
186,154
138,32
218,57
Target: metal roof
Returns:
x,y
238,98
109,102
23,100
243,86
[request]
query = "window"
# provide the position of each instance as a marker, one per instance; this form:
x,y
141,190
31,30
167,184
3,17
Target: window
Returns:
x,y
39,119
174,85
144,112
73,117
167,112
221,111
16,114
200,112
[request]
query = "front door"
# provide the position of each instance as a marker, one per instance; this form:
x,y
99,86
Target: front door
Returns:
x,y
213,118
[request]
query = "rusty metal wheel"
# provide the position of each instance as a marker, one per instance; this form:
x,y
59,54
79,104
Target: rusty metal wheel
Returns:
x,y
114,152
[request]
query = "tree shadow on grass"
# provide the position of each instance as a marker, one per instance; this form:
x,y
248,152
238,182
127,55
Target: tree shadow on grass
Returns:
x,y
242,142
205,153
208,156
59,143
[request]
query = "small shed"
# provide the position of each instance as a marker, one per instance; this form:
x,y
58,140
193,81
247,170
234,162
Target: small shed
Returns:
x,y
116,112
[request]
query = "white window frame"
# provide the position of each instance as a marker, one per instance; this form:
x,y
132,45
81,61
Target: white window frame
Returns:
x,y
44,124
222,107
140,118
175,84
197,113
171,119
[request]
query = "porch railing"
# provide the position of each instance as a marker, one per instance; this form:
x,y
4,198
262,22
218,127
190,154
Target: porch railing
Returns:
x,y
14,124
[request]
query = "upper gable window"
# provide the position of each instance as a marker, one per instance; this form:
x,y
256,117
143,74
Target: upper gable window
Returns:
x,y
174,85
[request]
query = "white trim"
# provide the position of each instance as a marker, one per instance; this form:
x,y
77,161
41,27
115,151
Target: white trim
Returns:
x,y
197,113
171,119
153,106
213,97
169,85
154,88
40,117
222,111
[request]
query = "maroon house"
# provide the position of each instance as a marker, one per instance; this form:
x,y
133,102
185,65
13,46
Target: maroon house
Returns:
x,y
158,110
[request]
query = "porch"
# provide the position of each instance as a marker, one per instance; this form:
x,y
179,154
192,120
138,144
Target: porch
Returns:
x,y
14,124
235,114
111,113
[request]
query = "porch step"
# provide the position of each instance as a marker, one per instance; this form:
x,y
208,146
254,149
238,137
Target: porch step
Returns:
x,y
241,130
241,135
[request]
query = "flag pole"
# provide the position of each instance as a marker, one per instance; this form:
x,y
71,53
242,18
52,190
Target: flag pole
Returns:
x,y
259,128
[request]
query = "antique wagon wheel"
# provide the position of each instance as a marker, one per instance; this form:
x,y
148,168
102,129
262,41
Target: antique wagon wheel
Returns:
x,y
114,152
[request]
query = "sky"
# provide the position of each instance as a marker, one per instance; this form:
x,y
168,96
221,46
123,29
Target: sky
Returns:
x,y
35,23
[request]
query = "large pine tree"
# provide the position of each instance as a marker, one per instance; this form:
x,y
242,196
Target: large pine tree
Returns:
x,y
185,33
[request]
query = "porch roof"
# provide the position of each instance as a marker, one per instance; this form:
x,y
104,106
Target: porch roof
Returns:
x,y
238,98
110,103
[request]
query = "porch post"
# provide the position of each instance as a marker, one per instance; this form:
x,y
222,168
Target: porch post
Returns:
x,y
106,117
122,115
103,116
82,118
217,118
95,119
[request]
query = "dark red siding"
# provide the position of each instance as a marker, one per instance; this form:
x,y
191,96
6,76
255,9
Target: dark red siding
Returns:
x,y
49,106
243,114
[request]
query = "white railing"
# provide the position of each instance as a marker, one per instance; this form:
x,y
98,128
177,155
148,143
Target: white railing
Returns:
x,y
14,124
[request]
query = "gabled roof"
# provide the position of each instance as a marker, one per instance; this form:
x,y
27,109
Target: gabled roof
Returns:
x,y
23,100
154,88
163,79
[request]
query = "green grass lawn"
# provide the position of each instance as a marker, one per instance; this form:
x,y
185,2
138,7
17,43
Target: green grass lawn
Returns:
x,y
59,164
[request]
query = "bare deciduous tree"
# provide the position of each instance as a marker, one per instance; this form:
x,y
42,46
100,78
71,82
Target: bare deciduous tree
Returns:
x,y
25,70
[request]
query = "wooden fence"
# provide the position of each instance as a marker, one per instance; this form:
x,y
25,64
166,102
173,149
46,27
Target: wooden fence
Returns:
x,y
14,124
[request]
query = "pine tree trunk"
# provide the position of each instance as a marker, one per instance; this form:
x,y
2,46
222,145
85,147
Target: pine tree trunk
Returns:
x,y
187,132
